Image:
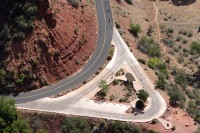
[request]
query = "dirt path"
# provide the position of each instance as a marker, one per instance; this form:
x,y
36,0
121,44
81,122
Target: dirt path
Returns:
x,y
162,45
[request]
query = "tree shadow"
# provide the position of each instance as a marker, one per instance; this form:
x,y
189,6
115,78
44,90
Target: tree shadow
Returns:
x,y
182,2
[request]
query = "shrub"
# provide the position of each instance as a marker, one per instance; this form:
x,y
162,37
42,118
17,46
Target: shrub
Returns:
x,y
20,80
168,42
173,128
165,19
169,31
154,121
123,100
181,78
157,64
115,82
142,95
135,29
148,46
150,30
161,83
130,2
189,34
153,62
75,125
176,96
117,25
143,61
74,3
112,97
122,127
195,47
190,94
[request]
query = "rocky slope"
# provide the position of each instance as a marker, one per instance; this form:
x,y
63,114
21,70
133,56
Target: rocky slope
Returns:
x,y
61,42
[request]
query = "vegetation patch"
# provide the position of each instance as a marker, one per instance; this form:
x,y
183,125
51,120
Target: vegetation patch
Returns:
x,y
19,23
149,47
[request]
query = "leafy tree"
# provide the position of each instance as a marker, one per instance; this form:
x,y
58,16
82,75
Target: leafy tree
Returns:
x,y
142,95
135,29
10,121
75,125
122,127
104,88
176,96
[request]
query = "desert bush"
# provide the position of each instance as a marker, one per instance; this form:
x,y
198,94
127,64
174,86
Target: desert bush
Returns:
x,y
157,64
148,46
75,125
123,100
122,127
74,3
181,78
169,31
161,82
177,98
174,128
168,42
190,94
154,121
195,47
135,29
142,95
117,24
130,2
194,111
143,61
150,30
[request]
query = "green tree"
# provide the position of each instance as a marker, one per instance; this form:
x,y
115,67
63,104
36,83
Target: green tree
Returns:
x,y
181,78
10,121
135,29
176,96
75,125
104,88
122,127
161,83
142,95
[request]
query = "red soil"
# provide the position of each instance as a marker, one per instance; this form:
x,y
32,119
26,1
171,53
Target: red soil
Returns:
x,y
63,40
178,117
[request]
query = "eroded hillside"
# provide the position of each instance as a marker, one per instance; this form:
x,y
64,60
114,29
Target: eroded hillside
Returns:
x,y
61,39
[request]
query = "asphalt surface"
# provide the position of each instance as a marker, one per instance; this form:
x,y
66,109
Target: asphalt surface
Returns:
x,y
105,22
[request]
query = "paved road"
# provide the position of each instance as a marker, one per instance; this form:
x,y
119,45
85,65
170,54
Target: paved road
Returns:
x,y
78,103
99,56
